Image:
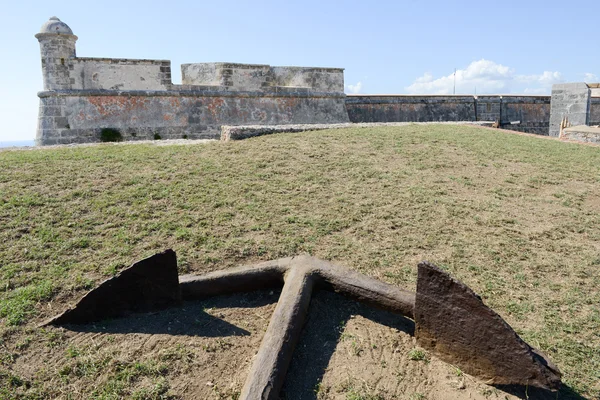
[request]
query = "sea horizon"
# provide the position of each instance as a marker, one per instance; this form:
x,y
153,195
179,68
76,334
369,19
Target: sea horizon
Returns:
x,y
17,143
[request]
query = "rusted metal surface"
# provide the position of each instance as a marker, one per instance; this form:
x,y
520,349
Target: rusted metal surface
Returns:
x,y
452,321
148,285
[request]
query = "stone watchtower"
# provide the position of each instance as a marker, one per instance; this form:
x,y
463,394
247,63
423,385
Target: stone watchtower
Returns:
x,y
57,46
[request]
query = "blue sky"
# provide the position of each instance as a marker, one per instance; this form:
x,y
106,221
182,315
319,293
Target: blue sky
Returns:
x,y
385,46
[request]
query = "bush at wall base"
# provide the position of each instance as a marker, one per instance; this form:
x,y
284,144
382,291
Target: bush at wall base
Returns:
x,y
110,135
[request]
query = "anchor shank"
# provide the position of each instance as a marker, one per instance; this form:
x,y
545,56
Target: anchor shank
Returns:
x,y
274,356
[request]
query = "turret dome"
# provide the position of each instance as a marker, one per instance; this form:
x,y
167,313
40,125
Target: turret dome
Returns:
x,y
55,25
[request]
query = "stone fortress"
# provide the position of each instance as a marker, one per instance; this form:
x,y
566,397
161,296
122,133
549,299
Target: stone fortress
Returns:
x,y
137,98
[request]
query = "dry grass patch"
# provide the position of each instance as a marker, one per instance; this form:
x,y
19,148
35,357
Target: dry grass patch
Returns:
x,y
516,218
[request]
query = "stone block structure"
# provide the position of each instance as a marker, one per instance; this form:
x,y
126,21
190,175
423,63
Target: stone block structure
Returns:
x,y
571,101
582,133
138,99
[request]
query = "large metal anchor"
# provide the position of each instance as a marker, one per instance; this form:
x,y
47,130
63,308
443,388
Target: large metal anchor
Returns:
x,y
450,319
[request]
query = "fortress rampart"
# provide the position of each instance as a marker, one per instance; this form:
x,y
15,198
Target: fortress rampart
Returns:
x,y
83,96
137,97
529,114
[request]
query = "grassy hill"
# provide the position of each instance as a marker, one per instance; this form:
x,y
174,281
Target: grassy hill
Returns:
x,y
514,217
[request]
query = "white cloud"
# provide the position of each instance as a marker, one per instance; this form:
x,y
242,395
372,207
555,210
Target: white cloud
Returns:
x,y
485,76
540,84
354,88
590,78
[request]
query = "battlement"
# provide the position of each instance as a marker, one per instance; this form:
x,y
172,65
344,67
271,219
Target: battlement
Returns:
x,y
257,77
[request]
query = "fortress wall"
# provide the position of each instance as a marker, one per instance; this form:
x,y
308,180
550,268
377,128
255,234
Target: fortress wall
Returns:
x,y
119,74
529,114
79,116
137,97
521,113
409,108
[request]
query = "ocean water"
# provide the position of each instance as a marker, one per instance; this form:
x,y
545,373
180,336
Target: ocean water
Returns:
x,y
17,143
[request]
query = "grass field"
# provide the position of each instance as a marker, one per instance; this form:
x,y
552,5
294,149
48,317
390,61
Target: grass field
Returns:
x,y
514,217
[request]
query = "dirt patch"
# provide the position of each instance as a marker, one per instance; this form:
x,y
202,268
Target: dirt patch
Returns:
x,y
352,351
201,350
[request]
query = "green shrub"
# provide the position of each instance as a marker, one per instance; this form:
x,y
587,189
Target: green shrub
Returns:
x,y
110,135
157,136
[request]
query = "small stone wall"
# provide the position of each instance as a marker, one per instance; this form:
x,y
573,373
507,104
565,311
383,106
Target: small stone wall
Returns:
x,y
248,131
582,133
529,114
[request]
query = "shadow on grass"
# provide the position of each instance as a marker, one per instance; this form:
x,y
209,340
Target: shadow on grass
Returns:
x,y
190,319
327,316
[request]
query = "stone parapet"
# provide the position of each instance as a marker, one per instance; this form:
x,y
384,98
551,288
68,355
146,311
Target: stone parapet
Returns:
x,y
515,112
256,77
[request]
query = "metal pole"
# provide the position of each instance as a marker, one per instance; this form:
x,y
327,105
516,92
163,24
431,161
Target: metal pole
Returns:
x,y
454,90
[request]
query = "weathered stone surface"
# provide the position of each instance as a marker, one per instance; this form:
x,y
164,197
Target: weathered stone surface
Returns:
x,y
594,112
148,285
176,114
571,101
124,74
530,114
57,48
254,77
582,133
452,321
